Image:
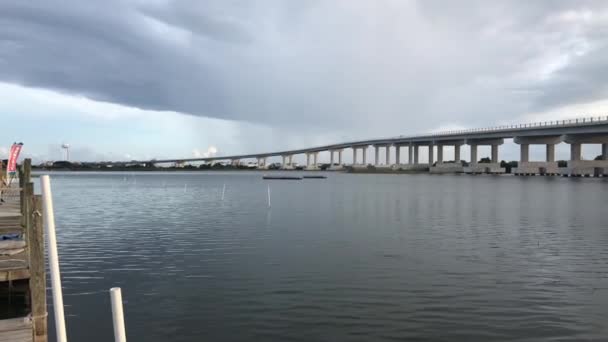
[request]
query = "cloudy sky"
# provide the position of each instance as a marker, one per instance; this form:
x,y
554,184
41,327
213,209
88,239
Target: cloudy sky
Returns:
x,y
121,79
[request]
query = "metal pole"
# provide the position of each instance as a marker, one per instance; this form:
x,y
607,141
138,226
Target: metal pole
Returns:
x,y
118,318
223,191
49,219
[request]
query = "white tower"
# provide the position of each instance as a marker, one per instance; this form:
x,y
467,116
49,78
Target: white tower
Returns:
x,y
66,148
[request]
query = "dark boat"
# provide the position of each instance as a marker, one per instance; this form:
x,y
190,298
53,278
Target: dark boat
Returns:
x,y
316,176
282,177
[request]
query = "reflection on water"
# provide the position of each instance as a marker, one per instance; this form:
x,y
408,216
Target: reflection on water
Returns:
x,y
348,258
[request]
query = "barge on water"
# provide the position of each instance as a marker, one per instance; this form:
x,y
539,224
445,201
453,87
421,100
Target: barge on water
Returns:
x,y
281,177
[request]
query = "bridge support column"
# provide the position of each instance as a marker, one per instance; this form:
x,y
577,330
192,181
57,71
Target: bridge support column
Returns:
x,y
495,154
439,153
314,158
377,150
397,154
354,156
550,155
410,154
473,154
524,153
364,150
307,159
575,151
416,153
431,156
284,163
291,160
457,153
388,155
331,158
340,157
605,151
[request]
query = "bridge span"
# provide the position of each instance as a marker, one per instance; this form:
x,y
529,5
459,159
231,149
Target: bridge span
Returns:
x,y
575,132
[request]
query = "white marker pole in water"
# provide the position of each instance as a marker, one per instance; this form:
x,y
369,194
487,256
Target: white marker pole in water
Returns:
x,y
49,219
118,318
268,195
223,191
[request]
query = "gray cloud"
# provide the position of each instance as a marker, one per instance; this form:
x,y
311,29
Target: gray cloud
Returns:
x,y
378,67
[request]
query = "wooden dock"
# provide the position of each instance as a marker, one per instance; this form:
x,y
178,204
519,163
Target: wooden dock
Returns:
x,y
23,315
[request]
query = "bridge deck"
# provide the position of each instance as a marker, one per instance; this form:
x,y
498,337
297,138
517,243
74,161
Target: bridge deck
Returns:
x,y
598,125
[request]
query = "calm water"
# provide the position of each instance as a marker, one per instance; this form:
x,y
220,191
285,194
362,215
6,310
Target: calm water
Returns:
x,y
348,258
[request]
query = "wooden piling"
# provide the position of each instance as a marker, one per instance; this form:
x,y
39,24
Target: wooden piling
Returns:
x,y
37,270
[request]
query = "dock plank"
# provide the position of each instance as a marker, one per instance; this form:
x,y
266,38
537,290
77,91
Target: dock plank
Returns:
x,y
16,330
14,267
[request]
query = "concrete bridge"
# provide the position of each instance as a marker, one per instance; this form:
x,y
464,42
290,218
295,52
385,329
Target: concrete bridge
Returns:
x,y
575,132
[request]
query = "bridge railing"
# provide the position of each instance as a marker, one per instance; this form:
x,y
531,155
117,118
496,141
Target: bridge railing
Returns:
x,y
553,123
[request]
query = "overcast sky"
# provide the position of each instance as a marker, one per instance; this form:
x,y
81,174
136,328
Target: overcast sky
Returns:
x,y
151,79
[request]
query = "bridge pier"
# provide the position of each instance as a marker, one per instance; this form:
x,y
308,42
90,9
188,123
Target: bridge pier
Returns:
x,y
262,163
526,167
332,159
579,167
287,162
475,167
314,165
387,157
448,167
413,163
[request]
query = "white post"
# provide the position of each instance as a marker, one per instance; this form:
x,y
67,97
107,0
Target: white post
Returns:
x,y
49,219
117,315
268,196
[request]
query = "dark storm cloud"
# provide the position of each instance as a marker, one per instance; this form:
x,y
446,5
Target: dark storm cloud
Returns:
x,y
362,64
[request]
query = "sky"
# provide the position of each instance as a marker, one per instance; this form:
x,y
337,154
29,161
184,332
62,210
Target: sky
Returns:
x,y
122,80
